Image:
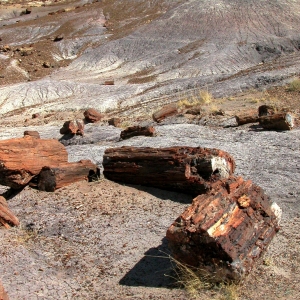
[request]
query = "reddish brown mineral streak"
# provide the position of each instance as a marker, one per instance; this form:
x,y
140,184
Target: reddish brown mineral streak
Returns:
x,y
52,178
226,229
184,169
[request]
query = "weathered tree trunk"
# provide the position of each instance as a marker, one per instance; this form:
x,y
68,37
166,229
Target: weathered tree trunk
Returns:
x,y
23,158
52,178
246,119
7,218
166,111
225,231
136,131
183,169
281,121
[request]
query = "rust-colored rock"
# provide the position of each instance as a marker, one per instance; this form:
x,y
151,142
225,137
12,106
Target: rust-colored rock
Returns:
x,y
251,117
73,127
23,158
185,169
32,133
166,111
114,122
52,178
281,121
7,218
92,116
137,130
3,294
226,230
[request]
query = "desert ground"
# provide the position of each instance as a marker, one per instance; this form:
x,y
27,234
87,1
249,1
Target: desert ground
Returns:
x,y
127,59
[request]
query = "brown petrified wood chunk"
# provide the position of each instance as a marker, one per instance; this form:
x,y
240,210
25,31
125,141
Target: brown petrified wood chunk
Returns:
x,y
73,127
226,230
166,111
7,218
23,158
137,130
246,118
266,110
185,169
32,133
55,177
92,115
116,122
280,121
3,294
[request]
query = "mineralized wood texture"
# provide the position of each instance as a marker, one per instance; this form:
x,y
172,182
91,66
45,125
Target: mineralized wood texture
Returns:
x,y
52,178
184,169
225,231
23,158
281,121
136,131
246,119
166,111
7,218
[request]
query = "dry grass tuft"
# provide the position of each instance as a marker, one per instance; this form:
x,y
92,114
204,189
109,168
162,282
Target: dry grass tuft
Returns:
x,y
203,97
294,85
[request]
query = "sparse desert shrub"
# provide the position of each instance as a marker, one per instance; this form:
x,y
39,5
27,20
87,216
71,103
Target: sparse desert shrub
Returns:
x,y
203,97
294,85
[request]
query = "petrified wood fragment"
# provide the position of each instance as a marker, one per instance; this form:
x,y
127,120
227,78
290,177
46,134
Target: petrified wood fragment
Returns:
x,y
114,122
246,119
52,178
92,115
73,127
7,218
266,110
137,130
225,231
23,158
185,169
280,121
166,111
32,133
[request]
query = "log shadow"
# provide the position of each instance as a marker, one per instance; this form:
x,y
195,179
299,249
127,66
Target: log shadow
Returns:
x,y
11,193
155,269
165,194
256,128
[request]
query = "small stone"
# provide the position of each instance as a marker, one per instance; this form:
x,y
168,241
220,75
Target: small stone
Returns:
x,y
46,64
92,116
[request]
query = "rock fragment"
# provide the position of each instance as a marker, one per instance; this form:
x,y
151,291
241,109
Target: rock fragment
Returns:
x,y
166,111
116,122
32,133
92,116
136,131
73,127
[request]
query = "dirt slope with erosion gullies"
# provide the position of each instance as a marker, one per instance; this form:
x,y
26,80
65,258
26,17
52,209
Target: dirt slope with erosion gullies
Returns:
x,y
104,240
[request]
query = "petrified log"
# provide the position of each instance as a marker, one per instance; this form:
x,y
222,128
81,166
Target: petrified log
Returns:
x,y
246,119
137,130
281,121
52,178
225,231
23,158
7,218
183,169
3,294
91,115
166,111
73,127
32,133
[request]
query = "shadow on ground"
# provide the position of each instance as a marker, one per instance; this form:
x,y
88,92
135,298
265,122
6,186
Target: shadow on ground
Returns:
x,y
155,269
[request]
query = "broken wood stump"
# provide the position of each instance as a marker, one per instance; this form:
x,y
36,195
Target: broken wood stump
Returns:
x,y
166,111
23,158
55,177
280,121
184,169
226,230
7,218
132,131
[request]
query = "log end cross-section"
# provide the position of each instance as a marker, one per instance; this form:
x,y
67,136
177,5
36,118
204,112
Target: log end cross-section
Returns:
x,y
226,230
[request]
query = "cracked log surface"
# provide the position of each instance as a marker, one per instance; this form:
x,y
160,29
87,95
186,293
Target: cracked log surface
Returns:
x,y
185,169
225,231
23,158
52,178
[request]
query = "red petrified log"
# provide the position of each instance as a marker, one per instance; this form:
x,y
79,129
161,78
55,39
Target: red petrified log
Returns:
x,y
137,130
246,119
7,218
52,178
184,169
225,231
73,127
281,121
166,111
23,158
91,115
3,294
